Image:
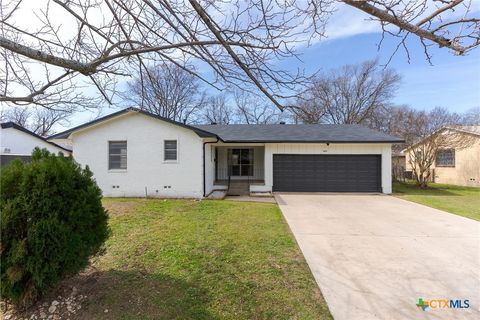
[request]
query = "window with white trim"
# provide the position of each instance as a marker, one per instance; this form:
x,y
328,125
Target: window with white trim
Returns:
x,y
170,150
445,158
117,155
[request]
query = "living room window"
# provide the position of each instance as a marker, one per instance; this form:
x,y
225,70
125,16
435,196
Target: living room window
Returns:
x,y
445,158
241,162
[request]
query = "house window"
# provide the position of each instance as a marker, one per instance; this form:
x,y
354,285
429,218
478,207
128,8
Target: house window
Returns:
x,y
241,162
117,155
170,150
446,158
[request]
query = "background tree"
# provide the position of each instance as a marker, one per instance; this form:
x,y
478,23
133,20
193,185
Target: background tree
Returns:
x,y
471,117
76,43
168,91
41,121
217,110
353,94
252,109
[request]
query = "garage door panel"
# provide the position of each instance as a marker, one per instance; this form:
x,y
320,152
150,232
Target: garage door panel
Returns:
x,y
326,173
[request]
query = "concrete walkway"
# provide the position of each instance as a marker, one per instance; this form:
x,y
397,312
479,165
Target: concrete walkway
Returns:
x,y
374,256
251,199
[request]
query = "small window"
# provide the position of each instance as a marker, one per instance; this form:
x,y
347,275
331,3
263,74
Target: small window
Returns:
x,y
170,150
117,155
445,158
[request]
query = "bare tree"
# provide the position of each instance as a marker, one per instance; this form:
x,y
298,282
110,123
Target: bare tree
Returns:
x,y
38,120
471,117
217,110
168,91
96,42
352,94
251,109
425,134
18,115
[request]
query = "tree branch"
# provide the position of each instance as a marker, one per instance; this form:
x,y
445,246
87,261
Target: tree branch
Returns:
x,y
384,15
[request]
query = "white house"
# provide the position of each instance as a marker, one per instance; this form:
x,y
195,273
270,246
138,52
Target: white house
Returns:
x,y
16,142
133,153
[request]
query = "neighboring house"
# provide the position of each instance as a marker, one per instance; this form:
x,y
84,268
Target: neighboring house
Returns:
x,y
16,142
135,153
458,166
398,166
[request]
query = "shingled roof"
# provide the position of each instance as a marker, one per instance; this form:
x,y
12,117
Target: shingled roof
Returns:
x,y
262,133
322,133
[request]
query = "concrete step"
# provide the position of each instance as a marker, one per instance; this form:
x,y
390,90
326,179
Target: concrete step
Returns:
x,y
238,188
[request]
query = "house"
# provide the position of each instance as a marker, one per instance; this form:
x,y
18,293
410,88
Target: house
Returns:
x,y
16,142
134,153
398,166
458,165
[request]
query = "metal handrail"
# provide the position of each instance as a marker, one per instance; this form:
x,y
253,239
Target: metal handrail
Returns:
x,y
229,171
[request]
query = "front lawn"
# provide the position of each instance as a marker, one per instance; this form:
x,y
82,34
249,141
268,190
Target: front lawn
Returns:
x,y
184,259
459,200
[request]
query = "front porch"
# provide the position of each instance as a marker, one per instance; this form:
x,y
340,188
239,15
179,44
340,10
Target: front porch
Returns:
x,y
238,168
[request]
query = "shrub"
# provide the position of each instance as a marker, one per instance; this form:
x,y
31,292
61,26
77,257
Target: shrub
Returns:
x,y
52,221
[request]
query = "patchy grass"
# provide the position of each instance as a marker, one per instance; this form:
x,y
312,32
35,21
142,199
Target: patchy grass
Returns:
x,y
183,259
459,200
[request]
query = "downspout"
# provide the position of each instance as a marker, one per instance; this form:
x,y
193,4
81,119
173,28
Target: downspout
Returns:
x,y
204,179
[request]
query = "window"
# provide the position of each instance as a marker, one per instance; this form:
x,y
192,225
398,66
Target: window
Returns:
x,y
241,162
445,158
117,155
170,150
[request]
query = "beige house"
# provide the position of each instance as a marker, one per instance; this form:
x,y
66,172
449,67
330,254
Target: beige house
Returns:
x,y
458,166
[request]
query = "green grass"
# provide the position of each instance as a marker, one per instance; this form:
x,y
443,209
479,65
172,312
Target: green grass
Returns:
x,y
459,200
184,259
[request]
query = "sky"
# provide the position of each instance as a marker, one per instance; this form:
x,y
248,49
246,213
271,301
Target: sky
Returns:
x,y
452,81
449,81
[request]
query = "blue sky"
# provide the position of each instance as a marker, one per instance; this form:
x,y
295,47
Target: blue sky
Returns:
x,y
452,81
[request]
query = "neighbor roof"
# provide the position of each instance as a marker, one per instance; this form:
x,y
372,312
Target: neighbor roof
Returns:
x,y
324,133
66,134
472,130
467,129
7,125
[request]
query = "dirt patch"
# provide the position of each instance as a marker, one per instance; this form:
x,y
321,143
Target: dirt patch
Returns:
x,y
63,302
118,208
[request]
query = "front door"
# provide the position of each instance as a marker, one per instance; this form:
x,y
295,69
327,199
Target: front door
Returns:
x,y
241,162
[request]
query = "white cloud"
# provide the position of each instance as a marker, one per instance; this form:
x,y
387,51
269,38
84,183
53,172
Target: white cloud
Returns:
x,y
348,21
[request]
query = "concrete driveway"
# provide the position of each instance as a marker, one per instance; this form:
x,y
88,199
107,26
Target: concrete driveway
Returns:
x,y
374,256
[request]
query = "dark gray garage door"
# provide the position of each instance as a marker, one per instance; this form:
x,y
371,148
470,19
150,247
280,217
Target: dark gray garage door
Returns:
x,y
326,173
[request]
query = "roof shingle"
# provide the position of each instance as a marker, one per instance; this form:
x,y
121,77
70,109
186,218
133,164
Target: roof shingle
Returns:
x,y
334,133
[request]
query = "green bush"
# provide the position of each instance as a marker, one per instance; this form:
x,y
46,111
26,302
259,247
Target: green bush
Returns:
x,y
52,221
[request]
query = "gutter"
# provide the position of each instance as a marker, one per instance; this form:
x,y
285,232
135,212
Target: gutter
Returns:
x,y
203,158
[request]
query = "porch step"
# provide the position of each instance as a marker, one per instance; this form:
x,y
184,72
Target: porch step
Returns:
x,y
238,188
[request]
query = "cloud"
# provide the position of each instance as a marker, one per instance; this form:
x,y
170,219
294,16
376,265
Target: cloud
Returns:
x,y
347,21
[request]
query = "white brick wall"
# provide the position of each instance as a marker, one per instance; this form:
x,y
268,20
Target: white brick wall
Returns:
x,y
145,164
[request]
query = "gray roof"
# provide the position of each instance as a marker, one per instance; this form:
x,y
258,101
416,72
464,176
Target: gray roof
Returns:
x,y
338,133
